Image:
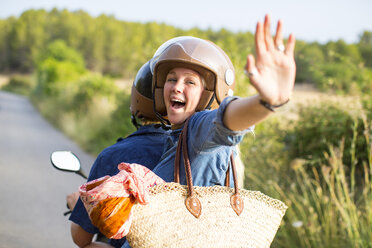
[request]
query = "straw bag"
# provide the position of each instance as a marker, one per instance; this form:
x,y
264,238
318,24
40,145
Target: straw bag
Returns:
x,y
191,216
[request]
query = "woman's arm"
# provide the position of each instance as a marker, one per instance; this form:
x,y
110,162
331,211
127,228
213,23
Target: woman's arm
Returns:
x,y
80,237
272,74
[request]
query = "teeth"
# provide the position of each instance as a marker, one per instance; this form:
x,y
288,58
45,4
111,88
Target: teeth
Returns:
x,y
176,100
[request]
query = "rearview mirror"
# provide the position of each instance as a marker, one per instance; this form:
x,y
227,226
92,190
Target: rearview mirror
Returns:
x,y
65,160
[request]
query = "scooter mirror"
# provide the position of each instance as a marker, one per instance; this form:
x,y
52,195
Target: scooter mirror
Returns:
x,y
65,160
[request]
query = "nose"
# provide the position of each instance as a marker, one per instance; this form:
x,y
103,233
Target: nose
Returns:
x,y
178,86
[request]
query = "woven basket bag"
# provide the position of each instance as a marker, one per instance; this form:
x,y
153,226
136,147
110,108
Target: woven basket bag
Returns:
x,y
192,216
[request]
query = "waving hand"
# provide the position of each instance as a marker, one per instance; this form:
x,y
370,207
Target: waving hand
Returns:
x,y
273,71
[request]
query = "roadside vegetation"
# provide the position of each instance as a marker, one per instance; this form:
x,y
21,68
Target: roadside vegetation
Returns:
x,y
315,157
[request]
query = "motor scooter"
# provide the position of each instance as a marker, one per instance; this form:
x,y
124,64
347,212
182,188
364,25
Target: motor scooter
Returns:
x,y
68,161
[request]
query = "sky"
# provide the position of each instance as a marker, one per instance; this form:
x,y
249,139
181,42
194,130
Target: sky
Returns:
x,y
311,20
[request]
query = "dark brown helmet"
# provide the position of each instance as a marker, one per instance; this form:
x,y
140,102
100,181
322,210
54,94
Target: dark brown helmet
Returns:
x,y
142,105
203,56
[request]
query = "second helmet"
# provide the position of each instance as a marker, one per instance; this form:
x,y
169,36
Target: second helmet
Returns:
x,y
141,97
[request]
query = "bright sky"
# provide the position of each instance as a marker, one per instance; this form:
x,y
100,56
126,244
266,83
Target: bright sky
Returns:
x,y
311,20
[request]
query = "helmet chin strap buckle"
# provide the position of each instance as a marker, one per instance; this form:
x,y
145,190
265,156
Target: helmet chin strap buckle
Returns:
x,y
211,101
164,122
134,120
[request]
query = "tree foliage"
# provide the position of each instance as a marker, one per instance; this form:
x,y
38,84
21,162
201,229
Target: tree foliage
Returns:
x,y
325,125
118,48
58,66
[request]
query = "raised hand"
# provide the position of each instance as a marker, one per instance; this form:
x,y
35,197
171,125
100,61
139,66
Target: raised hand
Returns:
x,y
273,71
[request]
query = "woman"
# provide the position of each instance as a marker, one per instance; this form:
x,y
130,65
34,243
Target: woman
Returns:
x,y
192,74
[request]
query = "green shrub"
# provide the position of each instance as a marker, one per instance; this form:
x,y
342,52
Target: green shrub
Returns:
x,y
342,78
117,125
367,106
20,84
91,86
265,155
323,125
59,66
328,189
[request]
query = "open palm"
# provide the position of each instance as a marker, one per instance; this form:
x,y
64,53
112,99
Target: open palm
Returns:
x,y
273,71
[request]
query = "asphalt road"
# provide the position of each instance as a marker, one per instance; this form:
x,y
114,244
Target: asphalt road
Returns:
x,y
32,192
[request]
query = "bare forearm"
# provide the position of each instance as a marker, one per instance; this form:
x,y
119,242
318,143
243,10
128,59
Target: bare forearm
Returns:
x,y
80,237
245,112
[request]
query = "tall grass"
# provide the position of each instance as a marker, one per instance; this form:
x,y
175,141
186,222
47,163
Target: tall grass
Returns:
x,y
329,206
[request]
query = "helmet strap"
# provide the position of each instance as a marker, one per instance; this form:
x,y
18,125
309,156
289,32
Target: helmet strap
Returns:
x,y
134,121
206,100
211,101
164,122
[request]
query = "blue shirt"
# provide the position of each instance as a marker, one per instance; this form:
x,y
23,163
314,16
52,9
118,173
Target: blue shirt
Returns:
x,y
209,144
145,147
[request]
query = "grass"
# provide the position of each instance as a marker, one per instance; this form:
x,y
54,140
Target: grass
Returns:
x,y
328,206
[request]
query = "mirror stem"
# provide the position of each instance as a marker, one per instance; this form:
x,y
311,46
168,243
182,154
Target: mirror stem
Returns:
x,y
81,173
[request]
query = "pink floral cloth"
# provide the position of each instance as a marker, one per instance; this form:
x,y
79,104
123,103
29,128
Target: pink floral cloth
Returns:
x,y
132,180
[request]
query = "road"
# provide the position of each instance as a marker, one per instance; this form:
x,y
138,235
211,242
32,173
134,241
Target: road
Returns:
x,y
33,193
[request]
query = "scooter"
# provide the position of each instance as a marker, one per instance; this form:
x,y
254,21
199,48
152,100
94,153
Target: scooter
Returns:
x,y
68,161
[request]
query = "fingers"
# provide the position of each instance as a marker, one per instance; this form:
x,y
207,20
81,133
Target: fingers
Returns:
x,y
251,70
260,40
264,40
290,45
279,34
268,38
250,66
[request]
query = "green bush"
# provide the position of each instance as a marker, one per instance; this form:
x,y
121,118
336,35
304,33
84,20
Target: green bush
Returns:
x,y
265,155
20,84
91,86
59,66
327,124
344,78
367,106
320,166
117,125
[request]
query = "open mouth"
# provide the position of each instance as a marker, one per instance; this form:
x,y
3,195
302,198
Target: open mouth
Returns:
x,y
177,104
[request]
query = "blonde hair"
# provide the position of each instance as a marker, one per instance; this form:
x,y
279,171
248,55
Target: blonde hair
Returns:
x,y
145,121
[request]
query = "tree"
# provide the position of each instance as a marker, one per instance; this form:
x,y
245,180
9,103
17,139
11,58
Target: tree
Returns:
x,y
59,66
309,59
365,45
26,38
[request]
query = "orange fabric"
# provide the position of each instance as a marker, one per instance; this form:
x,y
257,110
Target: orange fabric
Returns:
x,y
110,215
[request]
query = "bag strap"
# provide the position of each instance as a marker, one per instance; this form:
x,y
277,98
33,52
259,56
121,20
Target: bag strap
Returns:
x,y
192,202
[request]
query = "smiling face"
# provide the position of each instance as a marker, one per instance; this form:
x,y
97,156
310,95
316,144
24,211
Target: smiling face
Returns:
x,y
182,91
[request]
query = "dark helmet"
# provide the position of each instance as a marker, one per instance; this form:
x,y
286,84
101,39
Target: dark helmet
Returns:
x,y
141,105
203,56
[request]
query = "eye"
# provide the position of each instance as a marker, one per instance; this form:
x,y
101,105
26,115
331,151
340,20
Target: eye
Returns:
x,y
171,79
191,82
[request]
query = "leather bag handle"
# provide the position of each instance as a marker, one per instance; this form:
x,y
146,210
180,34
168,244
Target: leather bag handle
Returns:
x,y
192,202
